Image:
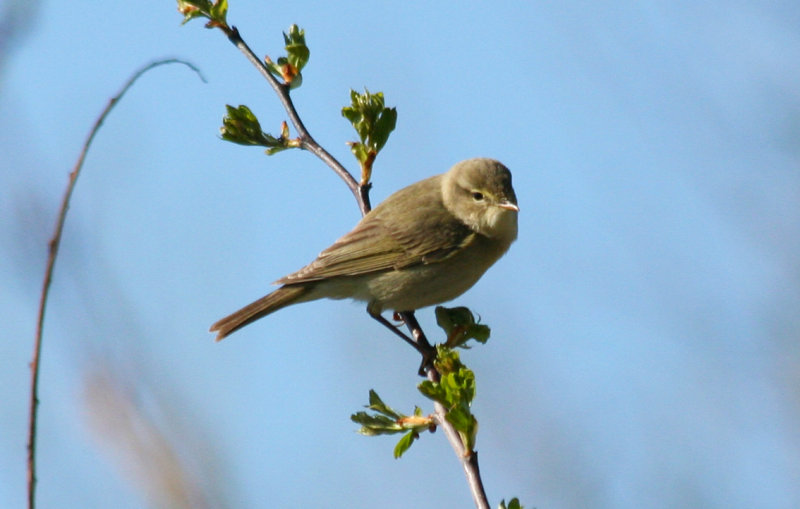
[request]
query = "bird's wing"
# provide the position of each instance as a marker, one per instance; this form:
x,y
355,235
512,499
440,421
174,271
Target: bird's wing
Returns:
x,y
382,241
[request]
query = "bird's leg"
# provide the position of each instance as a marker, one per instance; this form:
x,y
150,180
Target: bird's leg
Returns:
x,y
420,342
386,323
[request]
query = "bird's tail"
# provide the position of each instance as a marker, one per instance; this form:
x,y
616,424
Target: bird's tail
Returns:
x,y
280,298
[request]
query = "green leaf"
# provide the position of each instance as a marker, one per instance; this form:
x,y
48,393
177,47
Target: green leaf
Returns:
x,y
460,383
360,151
274,150
373,122
377,404
460,419
466,424
241,126
386,421
372,425
289,68
216,13
351,114
455,390
447,360
219,12
363,113
387,120
296,47
456,386
434,391
404,443
460,325
193,9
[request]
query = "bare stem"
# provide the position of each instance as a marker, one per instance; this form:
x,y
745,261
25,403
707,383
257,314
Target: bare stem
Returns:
x,y
53,246
468,459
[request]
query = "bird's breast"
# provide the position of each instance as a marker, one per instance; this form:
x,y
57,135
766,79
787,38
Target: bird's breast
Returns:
x,y
423,285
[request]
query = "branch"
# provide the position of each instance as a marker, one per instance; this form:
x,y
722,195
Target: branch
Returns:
x,y
468,459
53,246
361,193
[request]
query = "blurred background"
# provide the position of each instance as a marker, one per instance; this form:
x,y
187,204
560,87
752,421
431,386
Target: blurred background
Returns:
x,y
645,325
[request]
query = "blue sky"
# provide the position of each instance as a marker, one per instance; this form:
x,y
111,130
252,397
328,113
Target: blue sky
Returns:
x,y
645,324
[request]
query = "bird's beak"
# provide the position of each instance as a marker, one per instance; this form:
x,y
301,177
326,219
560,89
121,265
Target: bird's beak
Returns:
x,y
508,206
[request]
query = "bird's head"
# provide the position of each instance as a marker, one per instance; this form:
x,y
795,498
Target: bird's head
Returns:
x,y
479,192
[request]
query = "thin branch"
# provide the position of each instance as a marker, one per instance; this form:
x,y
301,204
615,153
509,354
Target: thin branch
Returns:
x,y
468,459
53,246
306,140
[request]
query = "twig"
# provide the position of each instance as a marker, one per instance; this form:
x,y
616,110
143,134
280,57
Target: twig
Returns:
x,y
361,193
468,459
53,246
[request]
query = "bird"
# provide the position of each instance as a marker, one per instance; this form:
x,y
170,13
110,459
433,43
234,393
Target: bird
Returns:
x,y
424,245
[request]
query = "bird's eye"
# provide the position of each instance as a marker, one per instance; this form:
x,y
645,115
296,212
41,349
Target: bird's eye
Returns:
x,y
477,196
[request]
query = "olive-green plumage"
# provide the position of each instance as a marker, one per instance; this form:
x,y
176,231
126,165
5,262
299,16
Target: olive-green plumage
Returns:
x,y
425,244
